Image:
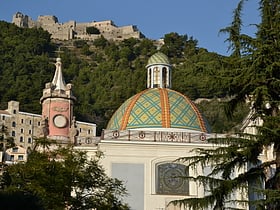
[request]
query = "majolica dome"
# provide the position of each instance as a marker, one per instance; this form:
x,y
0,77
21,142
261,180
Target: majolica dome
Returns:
x,y
158,108
158,58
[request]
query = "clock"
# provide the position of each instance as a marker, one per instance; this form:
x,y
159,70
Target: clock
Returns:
x,y
170,179
60,121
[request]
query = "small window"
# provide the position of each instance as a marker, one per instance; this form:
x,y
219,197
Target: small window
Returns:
x,y
15,149
39,123
89,132
3,117
15,111
29,140
164,77
12,157
21,139
80,130
30,131
20,157
30,122
13,133
13,124
22,121
21,130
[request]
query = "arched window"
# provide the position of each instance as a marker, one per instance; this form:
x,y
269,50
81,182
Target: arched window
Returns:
x,y
164,77
13,124
169,179
156,78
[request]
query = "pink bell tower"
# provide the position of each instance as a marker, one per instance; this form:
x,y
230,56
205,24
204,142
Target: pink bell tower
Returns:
x,y
57,108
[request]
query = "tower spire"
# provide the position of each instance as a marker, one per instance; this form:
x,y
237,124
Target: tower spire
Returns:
x,y
58,80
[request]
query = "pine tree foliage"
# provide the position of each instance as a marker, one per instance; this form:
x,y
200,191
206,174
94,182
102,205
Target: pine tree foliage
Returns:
x,y
235,162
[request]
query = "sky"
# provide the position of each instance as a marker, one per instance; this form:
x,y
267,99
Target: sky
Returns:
x,y
200,19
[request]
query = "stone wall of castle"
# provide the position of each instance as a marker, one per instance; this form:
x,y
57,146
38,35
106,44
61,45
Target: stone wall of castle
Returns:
x,y
73,30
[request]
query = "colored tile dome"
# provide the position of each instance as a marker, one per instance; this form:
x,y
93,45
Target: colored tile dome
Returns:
x,y
158,108
158,58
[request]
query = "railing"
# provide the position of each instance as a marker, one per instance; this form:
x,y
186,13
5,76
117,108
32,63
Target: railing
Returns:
x,y
87,141
157,136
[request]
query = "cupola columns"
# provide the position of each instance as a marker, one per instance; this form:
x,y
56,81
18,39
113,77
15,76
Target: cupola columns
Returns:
x,y
158,71
159,77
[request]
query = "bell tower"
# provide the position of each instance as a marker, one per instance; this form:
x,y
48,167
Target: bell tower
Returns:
x,y
57,107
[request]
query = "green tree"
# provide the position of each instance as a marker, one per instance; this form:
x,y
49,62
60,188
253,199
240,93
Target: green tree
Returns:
x,y
6,141
100,42
62,178
257,75
175,44
234,31
92,30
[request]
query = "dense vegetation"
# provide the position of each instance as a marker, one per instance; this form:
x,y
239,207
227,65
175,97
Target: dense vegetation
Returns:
x,y
61,178
106,73
241,164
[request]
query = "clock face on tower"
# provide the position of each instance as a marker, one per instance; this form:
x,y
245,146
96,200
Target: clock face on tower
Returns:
x,y
60,121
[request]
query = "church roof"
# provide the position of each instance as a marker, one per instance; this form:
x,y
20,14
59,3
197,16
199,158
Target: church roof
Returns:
x,y
158,108
158,58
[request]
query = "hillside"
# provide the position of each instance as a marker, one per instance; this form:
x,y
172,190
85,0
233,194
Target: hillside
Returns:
x,y
105,74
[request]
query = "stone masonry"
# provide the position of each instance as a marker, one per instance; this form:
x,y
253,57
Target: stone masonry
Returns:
x,y
73,30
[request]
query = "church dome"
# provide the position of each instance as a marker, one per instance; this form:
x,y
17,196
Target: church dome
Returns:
x,y
158,58
158,108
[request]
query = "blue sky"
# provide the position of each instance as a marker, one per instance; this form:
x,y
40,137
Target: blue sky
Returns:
x,y
201,19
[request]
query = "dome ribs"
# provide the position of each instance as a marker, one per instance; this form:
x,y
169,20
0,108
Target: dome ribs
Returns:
x,y
165,108
198,114
126,116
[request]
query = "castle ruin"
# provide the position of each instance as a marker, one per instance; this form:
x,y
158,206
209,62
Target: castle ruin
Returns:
x,y
73,30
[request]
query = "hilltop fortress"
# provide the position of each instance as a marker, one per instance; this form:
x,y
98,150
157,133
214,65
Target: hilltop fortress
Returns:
x,y
73,30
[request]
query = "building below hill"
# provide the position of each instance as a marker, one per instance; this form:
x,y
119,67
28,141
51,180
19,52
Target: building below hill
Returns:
x,y
56,121
73,30
140,144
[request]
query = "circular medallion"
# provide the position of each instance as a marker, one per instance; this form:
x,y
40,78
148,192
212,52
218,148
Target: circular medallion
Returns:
x,y
170,179
173,178
116,134
60,121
